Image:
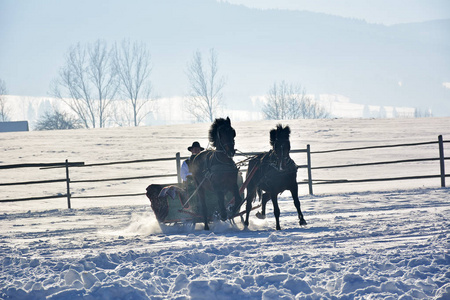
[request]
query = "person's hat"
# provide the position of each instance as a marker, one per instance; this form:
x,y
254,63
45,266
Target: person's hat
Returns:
x,y
194,145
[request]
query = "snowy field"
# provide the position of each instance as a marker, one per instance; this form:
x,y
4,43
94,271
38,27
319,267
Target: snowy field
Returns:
x,y
386,240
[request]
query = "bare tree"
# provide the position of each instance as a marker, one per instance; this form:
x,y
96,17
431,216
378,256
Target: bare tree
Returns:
x,y
311,109
422,113
88,83
4,111
57,120
205,97
288,101
132,64
282,102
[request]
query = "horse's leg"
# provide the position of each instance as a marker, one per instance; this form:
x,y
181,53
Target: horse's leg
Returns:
x,y
235,207
259,193
251,194
238,201
276,209
201,195
221,202
265,198
294,193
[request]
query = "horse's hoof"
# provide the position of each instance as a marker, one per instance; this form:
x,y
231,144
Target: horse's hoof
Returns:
x,y
260,216
278,228
302,222
230,210
223,217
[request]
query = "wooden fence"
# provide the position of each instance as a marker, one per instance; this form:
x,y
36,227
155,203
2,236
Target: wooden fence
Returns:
x,y
440,142
310,181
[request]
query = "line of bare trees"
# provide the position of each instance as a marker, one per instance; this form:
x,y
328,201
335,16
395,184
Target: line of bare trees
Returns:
x,y
95,76
289,101
110,85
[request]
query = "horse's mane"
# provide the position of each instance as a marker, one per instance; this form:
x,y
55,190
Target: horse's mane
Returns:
x,y
279,133
218,123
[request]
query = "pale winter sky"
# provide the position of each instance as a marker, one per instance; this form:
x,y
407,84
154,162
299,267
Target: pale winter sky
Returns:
x,y
386,12
36,35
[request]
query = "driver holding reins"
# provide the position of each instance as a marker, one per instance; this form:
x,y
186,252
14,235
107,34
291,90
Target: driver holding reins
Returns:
x,y
194,149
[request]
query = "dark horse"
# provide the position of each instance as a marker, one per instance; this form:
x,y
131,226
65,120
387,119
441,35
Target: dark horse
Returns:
x,y
215,170
275,172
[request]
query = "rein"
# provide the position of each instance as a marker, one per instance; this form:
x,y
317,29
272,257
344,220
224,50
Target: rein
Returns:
x,y
248,157
193,194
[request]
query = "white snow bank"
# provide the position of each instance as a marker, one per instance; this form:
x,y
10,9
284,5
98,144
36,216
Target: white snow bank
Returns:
x,y
395,248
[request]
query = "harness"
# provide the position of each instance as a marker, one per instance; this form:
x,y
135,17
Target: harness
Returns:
x,y
269,166
217,165
221,167
270,159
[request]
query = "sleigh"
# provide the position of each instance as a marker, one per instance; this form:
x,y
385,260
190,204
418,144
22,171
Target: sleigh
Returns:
x,y
174,204
180,204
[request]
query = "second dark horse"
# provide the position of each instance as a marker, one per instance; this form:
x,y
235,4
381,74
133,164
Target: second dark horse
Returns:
x,y
275,172
215,170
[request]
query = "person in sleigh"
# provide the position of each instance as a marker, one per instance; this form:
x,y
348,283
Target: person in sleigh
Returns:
x,y
194,149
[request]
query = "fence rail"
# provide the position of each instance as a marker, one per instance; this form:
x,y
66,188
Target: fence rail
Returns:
x,y
441,159
33,182
42,165
310,181
325,181
377,147
379,163
67,165
122,178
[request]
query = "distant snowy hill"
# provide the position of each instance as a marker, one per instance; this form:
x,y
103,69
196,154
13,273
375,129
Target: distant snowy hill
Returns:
x,y
168,111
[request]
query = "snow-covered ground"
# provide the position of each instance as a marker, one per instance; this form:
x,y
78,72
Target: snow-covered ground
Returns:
x,y
386,240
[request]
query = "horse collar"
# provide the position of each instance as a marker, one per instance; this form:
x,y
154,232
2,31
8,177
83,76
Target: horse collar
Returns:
x,y
271,160
215,156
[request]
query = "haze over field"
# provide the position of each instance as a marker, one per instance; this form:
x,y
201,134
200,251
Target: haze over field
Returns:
x,y
328,50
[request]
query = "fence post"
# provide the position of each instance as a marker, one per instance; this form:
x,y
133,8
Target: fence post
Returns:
x,y
178,161
442,160
308,157
68,184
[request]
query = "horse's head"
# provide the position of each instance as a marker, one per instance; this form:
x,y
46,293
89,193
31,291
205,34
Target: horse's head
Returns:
x,y
279,139
222,135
